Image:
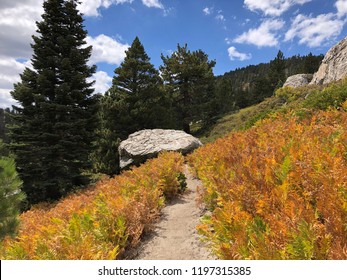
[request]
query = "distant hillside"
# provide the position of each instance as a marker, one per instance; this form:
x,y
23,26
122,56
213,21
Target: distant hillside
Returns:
x,y
300,100
236,92
252,84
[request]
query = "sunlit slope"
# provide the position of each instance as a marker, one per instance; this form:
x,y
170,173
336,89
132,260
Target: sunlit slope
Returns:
x,y
279,189
102,221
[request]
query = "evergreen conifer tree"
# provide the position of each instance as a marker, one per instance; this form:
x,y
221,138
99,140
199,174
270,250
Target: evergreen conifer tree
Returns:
x,y
2,124
134,102
10,195
138,85
53,128
189,79
311,63
277,75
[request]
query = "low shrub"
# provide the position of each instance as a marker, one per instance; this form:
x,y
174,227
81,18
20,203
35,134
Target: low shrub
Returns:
x,y
277,190
100,222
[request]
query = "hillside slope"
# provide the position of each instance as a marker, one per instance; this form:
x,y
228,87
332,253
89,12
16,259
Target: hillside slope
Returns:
x,y
300,100
102,221
279,189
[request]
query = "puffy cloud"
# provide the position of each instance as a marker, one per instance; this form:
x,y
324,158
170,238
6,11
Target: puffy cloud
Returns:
x,y
91,7
10,70
5,99
102,81
262,36
234,54
315,31
4,4
207,11
341,6
9,74
17,25
106,49
153,4
273,7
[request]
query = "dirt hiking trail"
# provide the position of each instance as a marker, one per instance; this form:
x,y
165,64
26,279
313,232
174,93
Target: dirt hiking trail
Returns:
x,y
175,236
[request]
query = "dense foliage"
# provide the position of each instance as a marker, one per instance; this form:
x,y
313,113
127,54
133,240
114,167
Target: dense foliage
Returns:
x,y
5,121
277,190
53,129
100,222
189,81
135,101
10,194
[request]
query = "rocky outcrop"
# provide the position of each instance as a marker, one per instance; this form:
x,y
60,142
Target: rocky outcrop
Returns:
x,y
334,65
149,143
298,80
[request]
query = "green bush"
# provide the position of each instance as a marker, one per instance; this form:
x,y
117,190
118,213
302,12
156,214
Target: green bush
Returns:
x,y
10,196
330,97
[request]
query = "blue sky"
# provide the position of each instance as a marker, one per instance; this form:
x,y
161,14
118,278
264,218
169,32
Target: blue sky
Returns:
x,y
235,33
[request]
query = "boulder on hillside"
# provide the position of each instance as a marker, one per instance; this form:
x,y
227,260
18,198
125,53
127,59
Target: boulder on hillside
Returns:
x,y
298,80
334,65
148,143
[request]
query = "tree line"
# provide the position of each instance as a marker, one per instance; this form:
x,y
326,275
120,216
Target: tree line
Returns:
x,y
250,85
61,133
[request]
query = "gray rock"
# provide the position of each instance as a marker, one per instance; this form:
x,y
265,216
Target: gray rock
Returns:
x,y
298,80
334,65
148,143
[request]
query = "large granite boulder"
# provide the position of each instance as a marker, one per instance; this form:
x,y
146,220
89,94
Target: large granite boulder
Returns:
x,y
334,65
148,143
298,80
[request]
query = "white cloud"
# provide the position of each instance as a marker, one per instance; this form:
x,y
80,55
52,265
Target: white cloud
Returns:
x,y
153,4
262,36
273,7
5,99
207,11
341,6
106,49
315,31
4,4
102,81
9,74
17,25
220,17
234,54
91,7
10,70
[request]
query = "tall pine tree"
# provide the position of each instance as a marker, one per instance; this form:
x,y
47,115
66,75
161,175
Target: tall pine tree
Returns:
x,y
138,85
52,134
134,102
189,79
277,74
